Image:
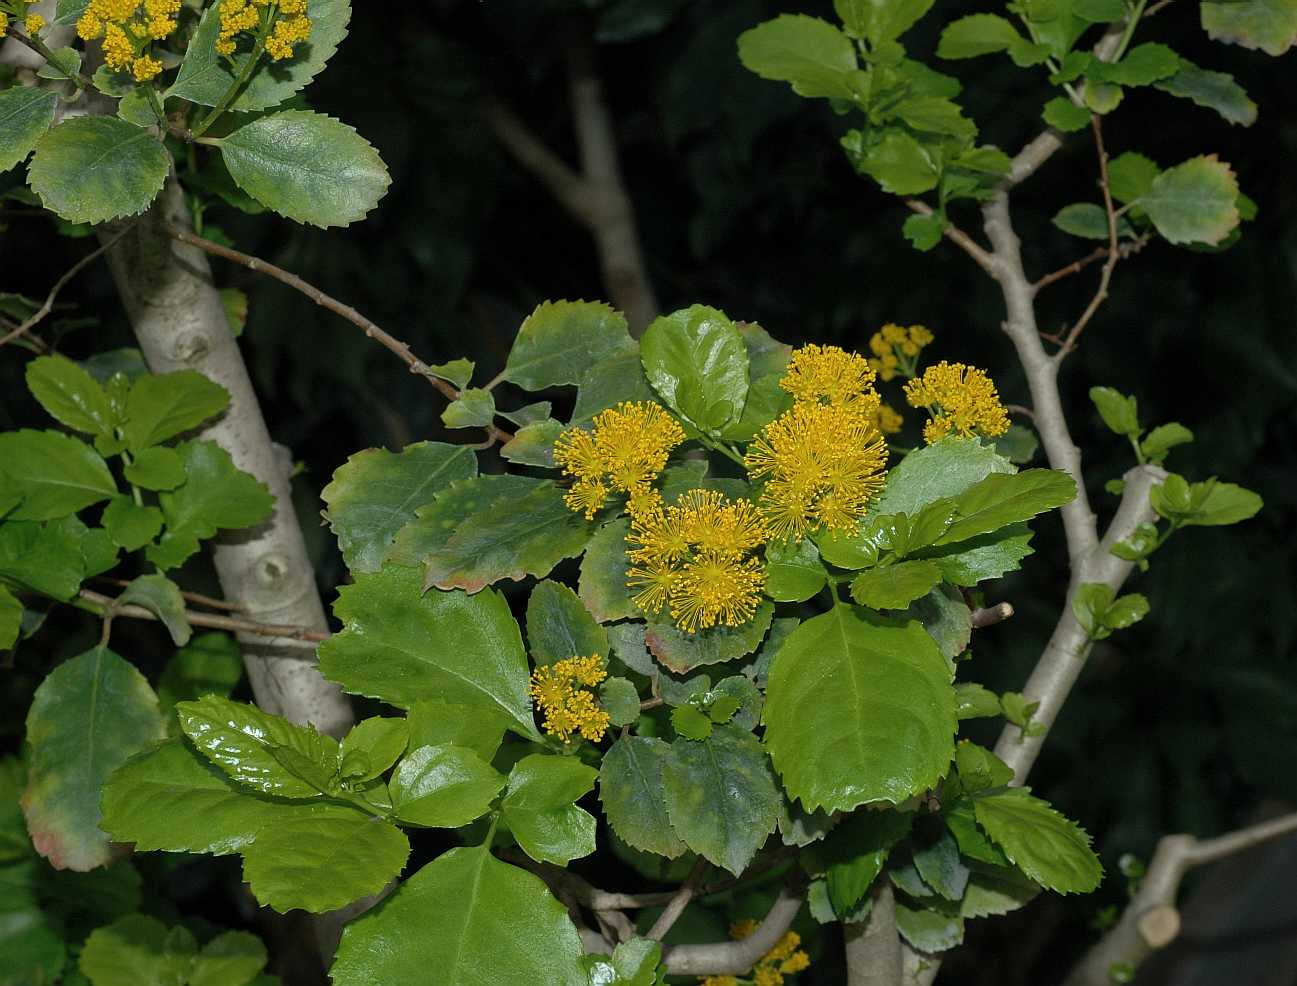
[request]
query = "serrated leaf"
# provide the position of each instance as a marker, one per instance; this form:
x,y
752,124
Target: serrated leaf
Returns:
x,y
561,340
539,811
690,723
899,163
443,786
533,444
1002,499
621,700
453,916
138,949
246,743
156,469
71,395
895,586
90,169
1194,202
210,664
855,852
1214,90
233,958
1270,25
973,842
936,857
1119,411
859,710
161,597
793,570
1063,114
976,34
205,76
721,796
974,701
697,362
162,406
559,625
306,166
403,646
45,558
602,586
681,652
923,232
25,115
1158,442
130,525
1130,176
475,408
376,492
379,740
810,54
1140,66
630,789
361,855
877,22
1042,843
928,930
434,722
55,474
87,717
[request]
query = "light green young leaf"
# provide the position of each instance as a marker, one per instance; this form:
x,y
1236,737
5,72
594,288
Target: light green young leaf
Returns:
x,y
90,169
812,55
475,408
1214,90
895,586
138,949
923,232
1130,176
306,166
457,371
1119,412
1063,114
1046,846
25,115
698,363
880,22
1126,611
559,625
1159,442
443,786
71,395
161,597
974,701
162,406
691,723
539,811
1194,202
156,468
374,744
976,34
130,525
1220,504
1140,66
898,162
633,798
937,115
980,769
562,340
55,474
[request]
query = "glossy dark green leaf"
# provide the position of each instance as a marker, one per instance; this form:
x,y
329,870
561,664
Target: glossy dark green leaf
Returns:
x,y
812,55
161,597
378,741
559,626
433,723
90,169
539,811
71,395
443,786
630,788
682,652
54,474
602,587
895,586
562,340
793,570
698,363
1049,848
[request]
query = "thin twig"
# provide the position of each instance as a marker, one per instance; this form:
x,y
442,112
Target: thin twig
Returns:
x,y
388,341
679,901
990,615
1021,410
208,620
958,237
1076,266
76,78
193,597
59,285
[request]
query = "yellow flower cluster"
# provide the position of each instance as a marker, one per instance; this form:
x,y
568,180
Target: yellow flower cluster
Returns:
x,y
128,27
290,26
560,690
887,420
785,959
961,399
624,454
4,23
695,557
33,24
822,462
896,350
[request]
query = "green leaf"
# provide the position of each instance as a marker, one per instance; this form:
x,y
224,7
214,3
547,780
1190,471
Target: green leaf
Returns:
x,y
527,535
1270,25
621,700
936,857
55,474
1194,202
973,842
214,495
936,115
855,852
634,963
435,523
376,492
614,379
161,597
539,811
721,796
255,748
1002,499
87,717
793,570
454,916
1020,712
1019,444
1063,114
633,798
1099,11
90,169
1142,65
71,395
859,710
880,21
697,362
690,723
138,949
603,574
1130,176
994,890
1102,97
360,854
11,618
559,625
1158,442
1090,221
928,930
979,768
107,81
976,34
923,232
1214,90
205,76
895,586
681,652
529,414
1046,846
233,958
812,55
1126,611
443,786
944,469
25,115
457,371
374,744
64,63
1119,412
1223,504
475,408
974,701
211,664
306,166
476,727
900,164
402,646
533,444
156,469
161,407
562,340
130,525
45,558
945,617
135,109
1089,604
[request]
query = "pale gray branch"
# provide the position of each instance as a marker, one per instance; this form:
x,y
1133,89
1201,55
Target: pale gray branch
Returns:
x,y
735,958
873,945
563,182
1151,921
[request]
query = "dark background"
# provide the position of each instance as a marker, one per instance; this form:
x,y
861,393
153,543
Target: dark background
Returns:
x,y
1188,722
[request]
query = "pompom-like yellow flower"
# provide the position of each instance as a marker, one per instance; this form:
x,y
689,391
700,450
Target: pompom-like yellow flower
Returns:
x,y
128,28
827,374
624,453
896,350
695,557
560,692
283,27
4,23
822,465
887,420
288,31
785,959
962,400
33,24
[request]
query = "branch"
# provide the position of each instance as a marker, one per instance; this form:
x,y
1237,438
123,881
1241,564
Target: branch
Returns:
x,y
386,340
560,180
193,597
873,946
59,285
958,237
112,608
735,958
1151,920
990,615
679,901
